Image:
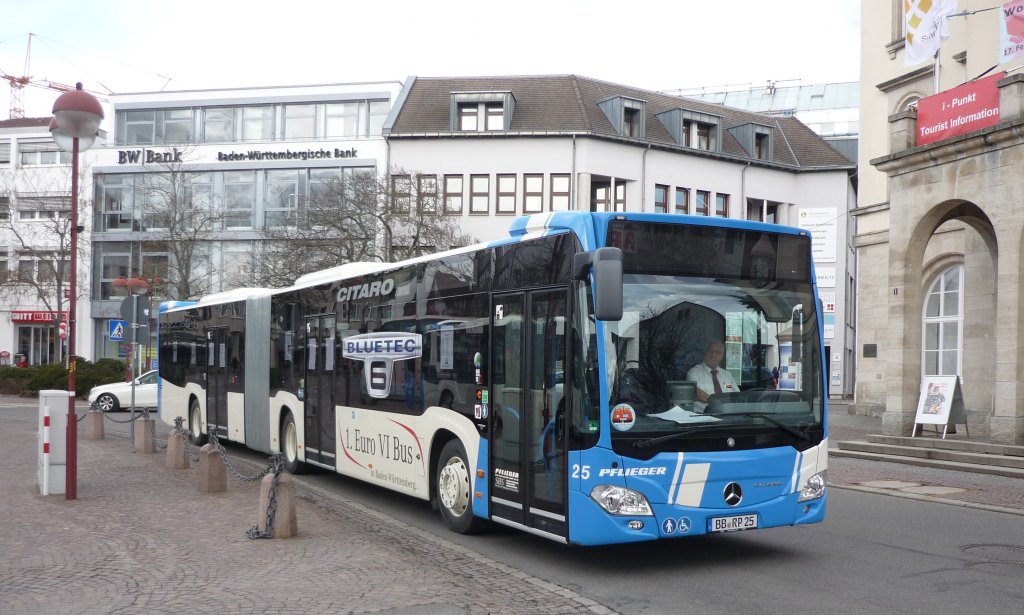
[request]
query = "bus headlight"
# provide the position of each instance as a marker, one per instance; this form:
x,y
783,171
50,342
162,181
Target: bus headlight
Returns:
x,y
621,501
814,487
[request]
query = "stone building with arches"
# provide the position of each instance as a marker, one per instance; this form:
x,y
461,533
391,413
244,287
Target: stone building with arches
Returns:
x,y
939,233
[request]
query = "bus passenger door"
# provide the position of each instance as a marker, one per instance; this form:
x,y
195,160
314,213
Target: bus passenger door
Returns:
x,y
528,464
217,382
319,403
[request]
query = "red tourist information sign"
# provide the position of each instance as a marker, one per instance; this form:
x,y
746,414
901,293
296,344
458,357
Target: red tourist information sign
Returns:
x,y
958,111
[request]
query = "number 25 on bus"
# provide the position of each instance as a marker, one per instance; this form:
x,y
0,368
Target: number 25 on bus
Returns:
x,y
592,378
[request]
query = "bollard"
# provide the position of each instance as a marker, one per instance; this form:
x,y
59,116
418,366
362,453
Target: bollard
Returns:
x,y
212,474
144,442
177,458
286,524
94,425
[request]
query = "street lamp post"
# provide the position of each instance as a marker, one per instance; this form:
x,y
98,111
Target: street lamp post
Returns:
x,y
76,124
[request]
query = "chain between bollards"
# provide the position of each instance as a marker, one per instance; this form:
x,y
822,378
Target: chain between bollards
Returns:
x,y
277,463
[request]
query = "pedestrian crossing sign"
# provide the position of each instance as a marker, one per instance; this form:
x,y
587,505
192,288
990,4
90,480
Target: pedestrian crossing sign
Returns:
x,y
117,330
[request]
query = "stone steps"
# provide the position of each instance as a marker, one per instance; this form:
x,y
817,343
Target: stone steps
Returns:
x,y
960,455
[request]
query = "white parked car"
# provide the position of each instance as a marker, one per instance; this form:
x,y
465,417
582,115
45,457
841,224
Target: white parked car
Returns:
x,y
118,395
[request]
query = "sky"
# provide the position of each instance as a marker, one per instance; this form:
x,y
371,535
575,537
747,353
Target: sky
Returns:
x,y
125,46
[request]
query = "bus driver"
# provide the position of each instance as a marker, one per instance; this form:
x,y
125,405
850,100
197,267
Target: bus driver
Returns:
x,y
711,379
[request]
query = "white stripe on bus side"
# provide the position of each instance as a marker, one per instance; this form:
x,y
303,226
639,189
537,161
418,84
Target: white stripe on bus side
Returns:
x,y
691,488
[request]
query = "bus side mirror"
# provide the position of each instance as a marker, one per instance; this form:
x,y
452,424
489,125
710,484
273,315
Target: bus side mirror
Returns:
x,y
606,264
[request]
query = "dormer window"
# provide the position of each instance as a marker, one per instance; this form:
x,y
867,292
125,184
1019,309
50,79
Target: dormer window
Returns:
x,y
626,115
482,111
693,128
756,139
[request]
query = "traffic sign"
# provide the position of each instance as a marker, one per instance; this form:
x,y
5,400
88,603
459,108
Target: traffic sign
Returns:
x,y
117,329
135,309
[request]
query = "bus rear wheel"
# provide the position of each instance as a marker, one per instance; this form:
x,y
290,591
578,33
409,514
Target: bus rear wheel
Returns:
x,y
195,424
454,490
290,445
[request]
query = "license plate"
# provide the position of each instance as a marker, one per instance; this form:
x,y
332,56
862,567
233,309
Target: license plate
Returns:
x,y
732,523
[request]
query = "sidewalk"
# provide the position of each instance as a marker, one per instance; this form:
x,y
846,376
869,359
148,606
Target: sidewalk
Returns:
x,y
983,491
143,539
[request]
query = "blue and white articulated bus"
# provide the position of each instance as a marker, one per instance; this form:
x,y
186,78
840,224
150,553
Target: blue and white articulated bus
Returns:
x,y
557,381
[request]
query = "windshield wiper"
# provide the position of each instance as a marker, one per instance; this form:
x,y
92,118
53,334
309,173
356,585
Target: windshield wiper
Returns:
x,y
767,416
672,436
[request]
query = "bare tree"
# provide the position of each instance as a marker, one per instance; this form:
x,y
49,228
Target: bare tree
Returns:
x,y
35,229
180,216
360,216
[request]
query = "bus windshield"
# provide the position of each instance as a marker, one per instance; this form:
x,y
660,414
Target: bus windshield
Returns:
x,y
711,350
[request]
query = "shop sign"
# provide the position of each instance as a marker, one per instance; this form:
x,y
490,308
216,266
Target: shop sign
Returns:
x,y
25,316
971,106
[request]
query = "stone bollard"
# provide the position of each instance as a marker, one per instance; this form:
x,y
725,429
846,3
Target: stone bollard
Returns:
x,y
177,457
213,475
94,425
144,441
286,524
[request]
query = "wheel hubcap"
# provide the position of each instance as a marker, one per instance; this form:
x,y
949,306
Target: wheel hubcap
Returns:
x,y
453,486
290,442
106,403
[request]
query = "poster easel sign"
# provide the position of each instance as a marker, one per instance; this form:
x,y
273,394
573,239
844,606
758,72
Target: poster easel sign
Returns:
x,y
941,403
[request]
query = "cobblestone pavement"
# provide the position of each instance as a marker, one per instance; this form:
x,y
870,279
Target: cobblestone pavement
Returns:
x,y
986,491
143,539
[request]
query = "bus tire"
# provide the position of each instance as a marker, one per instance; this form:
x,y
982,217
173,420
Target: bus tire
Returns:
x,y
195,424
290,445
454,490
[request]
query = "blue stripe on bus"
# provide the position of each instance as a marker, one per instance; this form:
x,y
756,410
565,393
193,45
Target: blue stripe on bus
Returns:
x,y
480,484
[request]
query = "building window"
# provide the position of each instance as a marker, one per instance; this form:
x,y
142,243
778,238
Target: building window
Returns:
x,y
506,203
40,153
342,119
630,122
755,210
5,151
479,194
600,196
257,123
240,198
533,193
468,117
943,323
761,146
378,114
299,121
177,126
114,194
703,200
620,196
401,187
453,194
426,193
721,205
560,187
495,116
112,266
219,124
280,199
139,128
682,200
703,136
660,199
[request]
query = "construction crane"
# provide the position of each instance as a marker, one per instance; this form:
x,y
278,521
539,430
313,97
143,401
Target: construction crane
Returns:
x,y
18,84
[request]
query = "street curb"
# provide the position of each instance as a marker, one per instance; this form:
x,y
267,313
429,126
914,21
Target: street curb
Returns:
x,y
929,498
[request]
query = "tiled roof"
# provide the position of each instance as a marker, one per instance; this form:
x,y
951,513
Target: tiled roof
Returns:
x,y
569,103
25,122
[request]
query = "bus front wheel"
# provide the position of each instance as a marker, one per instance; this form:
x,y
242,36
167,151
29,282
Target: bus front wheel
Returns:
x,y
195,424
454,490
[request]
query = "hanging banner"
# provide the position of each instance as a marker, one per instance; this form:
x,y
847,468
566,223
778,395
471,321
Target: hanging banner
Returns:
x,y
1011,31
926,27
963,109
